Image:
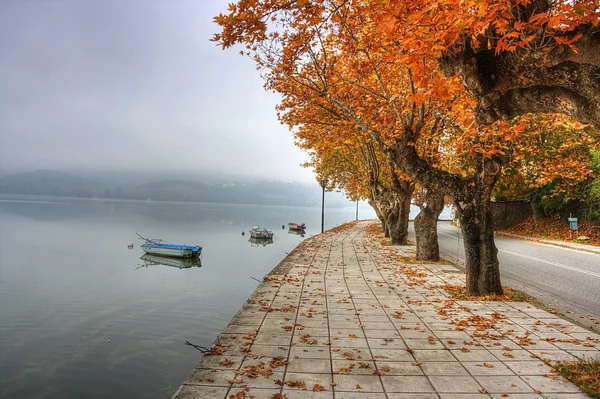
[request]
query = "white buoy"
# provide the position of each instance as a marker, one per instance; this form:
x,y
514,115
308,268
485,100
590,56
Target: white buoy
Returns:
x,y
130,245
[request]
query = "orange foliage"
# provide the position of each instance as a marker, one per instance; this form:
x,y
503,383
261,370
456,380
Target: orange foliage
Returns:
x,y
556,229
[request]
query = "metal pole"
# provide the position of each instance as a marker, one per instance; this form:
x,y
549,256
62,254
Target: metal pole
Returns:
x,y
323,209
356,209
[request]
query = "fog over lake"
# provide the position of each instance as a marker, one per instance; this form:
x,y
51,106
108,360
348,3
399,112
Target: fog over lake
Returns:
x,y
133,86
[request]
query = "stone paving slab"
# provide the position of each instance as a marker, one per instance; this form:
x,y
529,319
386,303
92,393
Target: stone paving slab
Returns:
x,y
344,316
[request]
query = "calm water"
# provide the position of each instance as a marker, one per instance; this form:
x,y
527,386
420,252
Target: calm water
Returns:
x,y
82,316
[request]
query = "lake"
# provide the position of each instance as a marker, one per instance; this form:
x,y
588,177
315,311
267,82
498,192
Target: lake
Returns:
x,y
81,315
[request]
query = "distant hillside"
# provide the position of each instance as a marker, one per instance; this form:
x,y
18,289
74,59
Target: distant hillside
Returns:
x,y
47,182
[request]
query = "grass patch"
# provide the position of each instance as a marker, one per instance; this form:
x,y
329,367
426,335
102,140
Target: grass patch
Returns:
x,y
585,374
510,295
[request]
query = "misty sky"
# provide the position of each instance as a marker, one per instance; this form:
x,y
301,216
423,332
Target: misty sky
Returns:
x,y
133,85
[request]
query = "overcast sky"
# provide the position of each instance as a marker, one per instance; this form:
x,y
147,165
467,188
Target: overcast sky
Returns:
x,y
132,85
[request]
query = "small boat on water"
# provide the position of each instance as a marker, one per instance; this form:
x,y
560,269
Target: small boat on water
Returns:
x,y
260,232
160,247
296,226
180,263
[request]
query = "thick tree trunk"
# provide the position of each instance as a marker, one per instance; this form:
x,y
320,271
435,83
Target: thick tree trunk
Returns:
x,y
397,221
476,223
532,80
380,216
426,227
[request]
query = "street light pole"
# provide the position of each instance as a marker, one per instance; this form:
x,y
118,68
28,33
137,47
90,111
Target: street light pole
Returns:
x,y
323,207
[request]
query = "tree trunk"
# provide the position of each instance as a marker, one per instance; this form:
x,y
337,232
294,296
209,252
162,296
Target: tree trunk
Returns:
x,y
426,227
533,80
397,221
380,216
476,223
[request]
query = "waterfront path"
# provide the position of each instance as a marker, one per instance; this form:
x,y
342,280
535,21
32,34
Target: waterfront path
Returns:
x,y
344,316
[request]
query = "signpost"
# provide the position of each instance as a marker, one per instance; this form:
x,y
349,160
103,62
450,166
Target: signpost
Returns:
x,y
573,225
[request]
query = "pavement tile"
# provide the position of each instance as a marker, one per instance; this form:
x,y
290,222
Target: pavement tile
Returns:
x,y
517,396
474,355
546,384
353,367
517,354
345,342
310,352
354,383
504,384
309,379
533,367
454,384
433,355
386,343
360,395
255,393
260,381
487,368
200,392
443,368
221,362
309,365
308,394
210,377
269,350
399,368
401,383
554,355
588,355
350,354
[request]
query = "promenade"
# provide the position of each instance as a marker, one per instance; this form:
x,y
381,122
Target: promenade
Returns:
x,y
344,316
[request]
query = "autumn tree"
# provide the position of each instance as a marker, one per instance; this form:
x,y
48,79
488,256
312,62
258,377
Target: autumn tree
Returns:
x,y
551,165
515,57
348,158
331,55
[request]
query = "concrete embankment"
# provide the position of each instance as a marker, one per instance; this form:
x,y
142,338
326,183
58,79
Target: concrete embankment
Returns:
x,y
344,316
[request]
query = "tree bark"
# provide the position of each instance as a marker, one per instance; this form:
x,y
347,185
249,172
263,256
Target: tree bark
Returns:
x,y
397,221
532,80
380,216
476,223
426,226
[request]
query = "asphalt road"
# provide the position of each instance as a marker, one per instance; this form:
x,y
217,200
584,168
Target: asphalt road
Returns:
x,y
563,279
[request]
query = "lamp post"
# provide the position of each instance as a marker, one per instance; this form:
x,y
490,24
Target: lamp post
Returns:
x,y
323,183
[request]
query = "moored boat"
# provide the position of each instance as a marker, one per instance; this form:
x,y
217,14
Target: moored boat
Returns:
x,y
296,226
260,232
160,247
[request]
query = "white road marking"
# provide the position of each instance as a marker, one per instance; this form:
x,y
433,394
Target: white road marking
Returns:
x,y
575,269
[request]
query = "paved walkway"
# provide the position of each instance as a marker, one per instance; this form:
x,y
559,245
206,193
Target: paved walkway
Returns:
x,y
345,317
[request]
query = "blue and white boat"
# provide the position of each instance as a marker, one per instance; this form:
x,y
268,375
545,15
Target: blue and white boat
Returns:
x,y
163,248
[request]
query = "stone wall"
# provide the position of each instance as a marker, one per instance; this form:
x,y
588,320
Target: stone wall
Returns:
x,y
510,213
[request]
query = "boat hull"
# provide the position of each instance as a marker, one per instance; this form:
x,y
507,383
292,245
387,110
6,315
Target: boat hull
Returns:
x,y
261,234
172,252
296,226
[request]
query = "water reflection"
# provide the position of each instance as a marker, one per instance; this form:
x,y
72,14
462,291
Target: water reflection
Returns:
x,y
300,233
260,242
180,263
